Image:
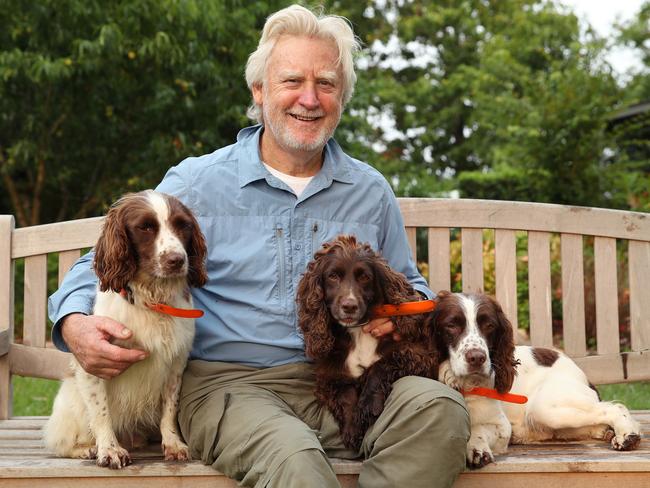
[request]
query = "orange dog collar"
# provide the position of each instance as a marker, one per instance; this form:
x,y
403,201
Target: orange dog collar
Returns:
x,y
492,393
406,308
184,313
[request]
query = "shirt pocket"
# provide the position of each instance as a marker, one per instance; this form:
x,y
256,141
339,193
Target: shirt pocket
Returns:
x,y
323,231
245,261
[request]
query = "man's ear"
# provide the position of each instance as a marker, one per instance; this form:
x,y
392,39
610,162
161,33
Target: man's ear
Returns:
x,y
258,93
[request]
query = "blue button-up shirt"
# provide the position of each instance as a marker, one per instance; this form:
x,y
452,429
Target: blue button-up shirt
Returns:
x,y
260,238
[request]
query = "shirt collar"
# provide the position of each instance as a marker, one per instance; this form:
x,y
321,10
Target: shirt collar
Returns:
x,y
335,165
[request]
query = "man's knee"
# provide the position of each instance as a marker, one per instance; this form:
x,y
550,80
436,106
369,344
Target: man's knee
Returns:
x,y
305,468
420,391
428,405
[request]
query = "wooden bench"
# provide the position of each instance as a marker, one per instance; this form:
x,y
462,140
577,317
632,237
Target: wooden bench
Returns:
x,y
548,230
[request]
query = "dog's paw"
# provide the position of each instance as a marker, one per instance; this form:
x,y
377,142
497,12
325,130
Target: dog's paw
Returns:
x,y
626,442
176,451
446,376
113,457
477,457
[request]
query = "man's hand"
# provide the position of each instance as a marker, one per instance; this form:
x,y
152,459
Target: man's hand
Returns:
x,y
380,327
89,338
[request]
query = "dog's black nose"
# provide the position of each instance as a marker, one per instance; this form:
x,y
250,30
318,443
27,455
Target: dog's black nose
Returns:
x,y
349,305
475,357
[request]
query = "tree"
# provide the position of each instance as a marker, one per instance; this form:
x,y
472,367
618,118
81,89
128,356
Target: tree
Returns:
x,y
500,88
97,98
629,152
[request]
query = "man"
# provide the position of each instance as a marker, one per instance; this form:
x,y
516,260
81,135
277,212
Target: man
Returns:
x,y
266,204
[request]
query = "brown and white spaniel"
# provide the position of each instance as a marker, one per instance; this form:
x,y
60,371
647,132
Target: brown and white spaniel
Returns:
x,y
354,370
475,341
150,252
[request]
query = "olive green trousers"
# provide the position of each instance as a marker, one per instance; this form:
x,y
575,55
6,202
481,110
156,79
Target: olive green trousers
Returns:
x,y
264,428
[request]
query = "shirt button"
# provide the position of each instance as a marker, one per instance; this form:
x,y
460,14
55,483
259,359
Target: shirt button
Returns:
x,y
297,247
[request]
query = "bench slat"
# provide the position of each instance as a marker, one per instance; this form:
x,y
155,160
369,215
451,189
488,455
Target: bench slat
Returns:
x,y
61,236
639,262
547,217
35,301
6,310
39,362
472,260
573,295
505,264
607,335
616,368
66,260
439,262
411,235
539,288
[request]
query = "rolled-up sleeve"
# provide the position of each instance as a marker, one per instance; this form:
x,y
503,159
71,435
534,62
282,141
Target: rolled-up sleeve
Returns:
x,y
75,295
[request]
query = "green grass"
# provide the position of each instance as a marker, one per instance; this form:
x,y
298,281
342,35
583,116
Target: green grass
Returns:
x,y
33,396
636,396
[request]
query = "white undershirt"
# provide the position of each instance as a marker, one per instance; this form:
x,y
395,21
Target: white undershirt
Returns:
x,y
296,183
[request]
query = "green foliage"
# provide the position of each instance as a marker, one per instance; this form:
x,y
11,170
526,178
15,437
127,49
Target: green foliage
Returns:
x,y
503,99
509,92
99,98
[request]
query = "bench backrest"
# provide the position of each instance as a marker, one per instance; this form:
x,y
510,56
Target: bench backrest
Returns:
x,y
538,225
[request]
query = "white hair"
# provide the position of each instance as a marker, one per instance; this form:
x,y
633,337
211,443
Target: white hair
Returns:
x,y
299,21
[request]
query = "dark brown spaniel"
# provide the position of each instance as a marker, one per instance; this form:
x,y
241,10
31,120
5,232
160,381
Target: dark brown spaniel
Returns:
x,y
354,370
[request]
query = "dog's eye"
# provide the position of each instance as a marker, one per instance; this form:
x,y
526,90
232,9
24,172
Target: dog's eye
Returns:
x,y
487,326
147,227
333,276
363,278
183,224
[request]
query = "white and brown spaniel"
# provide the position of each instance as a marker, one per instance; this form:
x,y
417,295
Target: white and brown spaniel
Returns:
x,y
150,252
475,342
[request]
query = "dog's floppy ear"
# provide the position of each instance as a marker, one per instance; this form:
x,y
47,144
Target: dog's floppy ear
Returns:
x,y
115,261
392,286
313,316
196,255
502,351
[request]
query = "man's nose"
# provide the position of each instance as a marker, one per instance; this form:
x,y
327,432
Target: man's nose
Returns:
x,y
309,97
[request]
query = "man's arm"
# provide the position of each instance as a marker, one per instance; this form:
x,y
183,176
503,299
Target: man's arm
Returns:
x,y
395,249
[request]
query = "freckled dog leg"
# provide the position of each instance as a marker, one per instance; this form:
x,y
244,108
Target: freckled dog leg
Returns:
x,y
487,439
109,452
172,445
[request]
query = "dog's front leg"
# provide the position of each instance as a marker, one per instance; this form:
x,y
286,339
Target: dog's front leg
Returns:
x,y
93,391
174,449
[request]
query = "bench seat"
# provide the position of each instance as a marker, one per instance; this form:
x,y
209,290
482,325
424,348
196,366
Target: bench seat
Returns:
x,y
24,462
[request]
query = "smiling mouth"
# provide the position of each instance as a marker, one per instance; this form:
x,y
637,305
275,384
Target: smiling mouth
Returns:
x,y
304,118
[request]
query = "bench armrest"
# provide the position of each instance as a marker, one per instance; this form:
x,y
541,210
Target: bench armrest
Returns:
x,y
4,342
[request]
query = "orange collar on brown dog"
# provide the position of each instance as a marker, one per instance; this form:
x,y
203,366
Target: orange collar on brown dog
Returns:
x,y
406,308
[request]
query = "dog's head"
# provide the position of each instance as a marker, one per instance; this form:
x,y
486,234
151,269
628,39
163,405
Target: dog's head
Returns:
x,y
148,236
342,284
474,334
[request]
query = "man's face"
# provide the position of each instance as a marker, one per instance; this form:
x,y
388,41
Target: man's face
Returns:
x,y
301,96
